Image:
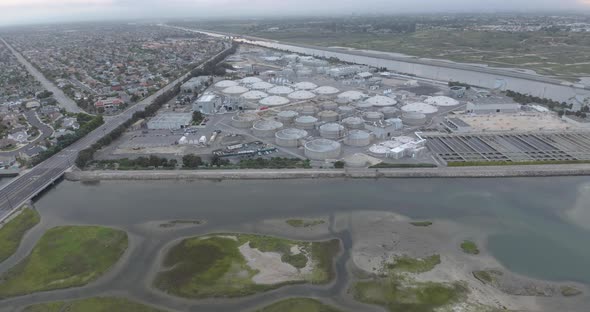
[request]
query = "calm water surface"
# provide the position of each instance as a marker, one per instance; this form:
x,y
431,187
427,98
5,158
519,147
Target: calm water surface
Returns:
x,y
532,234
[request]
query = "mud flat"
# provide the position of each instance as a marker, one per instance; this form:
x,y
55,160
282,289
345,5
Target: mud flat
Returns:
x,y
401,266
235,265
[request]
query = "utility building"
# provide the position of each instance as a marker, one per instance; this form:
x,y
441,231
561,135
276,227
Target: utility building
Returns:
x,y
493,108
207,104
170,121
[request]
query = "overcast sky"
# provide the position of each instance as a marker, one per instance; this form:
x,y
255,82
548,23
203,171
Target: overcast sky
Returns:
x,y
41,11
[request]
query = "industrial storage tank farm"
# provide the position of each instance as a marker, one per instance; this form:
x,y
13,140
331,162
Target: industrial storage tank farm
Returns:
x,y
358,138
250,80
352,96
326,90
235,90
254,95
306,122
331,131
262,86
380,101
287,116
354,122
304,85
244,120
441,101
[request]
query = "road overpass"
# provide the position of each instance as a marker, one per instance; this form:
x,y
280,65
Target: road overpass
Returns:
x,y
37,179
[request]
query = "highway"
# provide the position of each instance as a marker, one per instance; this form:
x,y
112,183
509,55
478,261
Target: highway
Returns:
x,y
31,183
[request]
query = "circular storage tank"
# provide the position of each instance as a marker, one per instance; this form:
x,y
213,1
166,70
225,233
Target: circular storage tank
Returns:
x,y
353,123
266,128
301,95
346,110
287,116
225,84
235,90
261,86
306,122
280,90
358,138
250,80
352,96
254,95
441,101
326,90
274,101
381,101
305,86
309,110
373,116
379,150
329,106
290,137
331,131
420,107
413,119
363,105
328,116
389,112
243,121
356,161
322,149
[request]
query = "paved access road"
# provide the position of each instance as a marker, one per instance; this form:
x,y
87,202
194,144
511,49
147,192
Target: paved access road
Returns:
x,y
63,100
37,179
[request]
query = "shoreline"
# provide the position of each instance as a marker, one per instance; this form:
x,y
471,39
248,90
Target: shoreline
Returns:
x,y
284,174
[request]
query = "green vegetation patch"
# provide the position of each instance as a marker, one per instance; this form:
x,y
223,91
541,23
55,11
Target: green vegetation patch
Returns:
x,y
12,232
213,266
414,265
298,305
421,223
300,223
469,247
403,296
99,304
487,276
64,257
569,291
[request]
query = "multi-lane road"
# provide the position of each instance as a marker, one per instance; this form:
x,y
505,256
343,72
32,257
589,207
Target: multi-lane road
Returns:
x,y
31,183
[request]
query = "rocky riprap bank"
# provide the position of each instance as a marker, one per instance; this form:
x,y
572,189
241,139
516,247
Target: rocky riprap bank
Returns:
x,y
461,172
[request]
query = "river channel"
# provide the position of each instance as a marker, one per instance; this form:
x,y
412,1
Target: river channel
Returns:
x,y
536,226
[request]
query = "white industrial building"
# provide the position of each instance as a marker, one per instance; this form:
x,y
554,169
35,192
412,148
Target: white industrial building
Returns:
x,y
384,129
399,147
170,121
207,104
510,108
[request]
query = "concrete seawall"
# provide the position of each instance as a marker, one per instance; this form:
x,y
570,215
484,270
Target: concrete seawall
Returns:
x,y
464,172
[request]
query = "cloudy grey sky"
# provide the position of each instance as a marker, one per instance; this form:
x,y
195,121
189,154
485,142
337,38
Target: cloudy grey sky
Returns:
x,y
27,11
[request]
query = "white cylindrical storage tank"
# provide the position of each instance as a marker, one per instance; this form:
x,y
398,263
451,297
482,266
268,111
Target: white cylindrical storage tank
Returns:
x,y
363,105
305,86
280,90
262,86
345,111
254,95
290,137
419,107
235,90
266,128
243,121
389,112
250,80
331,131
381,101
414,119
328,116
308,110
274,100
322,149
306,122
353,123
329,106
287,116
225,84
373,116
301,95
379,151
326,90
356,161
358,138
352,96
